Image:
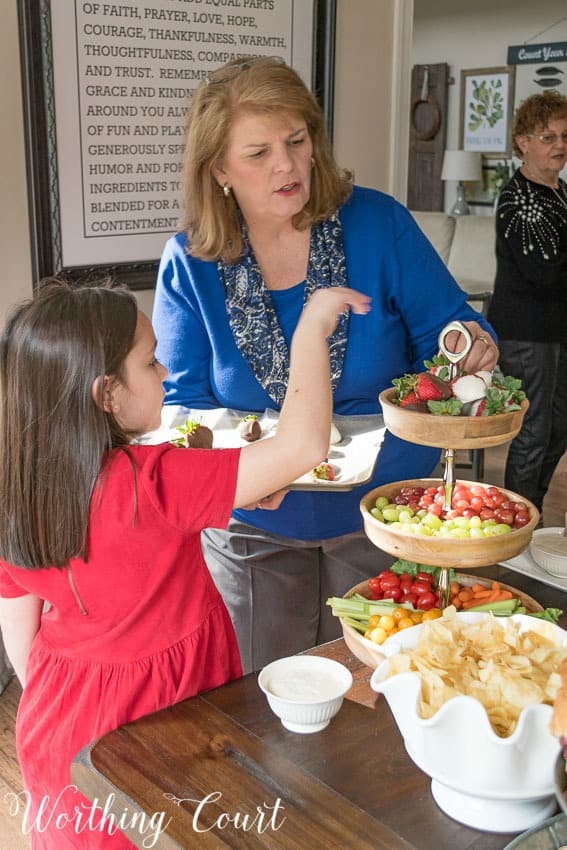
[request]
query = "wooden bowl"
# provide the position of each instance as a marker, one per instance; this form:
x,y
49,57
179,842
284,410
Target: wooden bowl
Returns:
x,y
369,652
453,432
444,551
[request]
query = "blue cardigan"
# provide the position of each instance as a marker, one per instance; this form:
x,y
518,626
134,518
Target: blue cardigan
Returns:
x,y
413,298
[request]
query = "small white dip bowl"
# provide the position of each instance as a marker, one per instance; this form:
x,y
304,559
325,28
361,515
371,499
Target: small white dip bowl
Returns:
x,y
548,548
305,691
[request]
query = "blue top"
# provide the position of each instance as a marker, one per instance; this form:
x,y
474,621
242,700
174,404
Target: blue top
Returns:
x,y
413,298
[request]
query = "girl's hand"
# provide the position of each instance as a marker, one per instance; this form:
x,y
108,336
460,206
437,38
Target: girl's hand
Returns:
x,y
483,355
268,503
326,305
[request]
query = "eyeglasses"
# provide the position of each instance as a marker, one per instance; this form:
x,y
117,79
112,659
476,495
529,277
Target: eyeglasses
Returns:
x,y
548,139
222,75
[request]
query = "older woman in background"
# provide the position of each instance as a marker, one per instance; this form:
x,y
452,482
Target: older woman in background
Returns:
x,y
270,217
529,305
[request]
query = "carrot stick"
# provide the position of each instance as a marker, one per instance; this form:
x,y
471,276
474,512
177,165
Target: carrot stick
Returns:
x,y
465,595
478,588
483,594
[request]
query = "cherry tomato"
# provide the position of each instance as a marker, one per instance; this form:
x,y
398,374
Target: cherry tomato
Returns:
x,y
421,587
389,582
405,577
385,574
410,598
394,593
424,577
426,601
374,585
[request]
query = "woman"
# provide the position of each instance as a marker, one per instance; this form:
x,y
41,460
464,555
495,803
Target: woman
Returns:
x,y
529,305
269,218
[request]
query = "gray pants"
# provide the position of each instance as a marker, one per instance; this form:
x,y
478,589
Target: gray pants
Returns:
x,y
538,448
275,588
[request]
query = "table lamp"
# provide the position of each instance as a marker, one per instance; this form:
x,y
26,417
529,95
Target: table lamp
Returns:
x,y
461,166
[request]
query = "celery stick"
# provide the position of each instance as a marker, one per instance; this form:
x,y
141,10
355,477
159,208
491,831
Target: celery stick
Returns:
x,y
504,608
552,615
360,625
358,606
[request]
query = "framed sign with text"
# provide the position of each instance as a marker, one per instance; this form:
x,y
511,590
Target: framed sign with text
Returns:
x,y
107,87
487,97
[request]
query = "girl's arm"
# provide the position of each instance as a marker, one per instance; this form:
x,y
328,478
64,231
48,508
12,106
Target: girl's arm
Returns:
x,y
302,438
19,621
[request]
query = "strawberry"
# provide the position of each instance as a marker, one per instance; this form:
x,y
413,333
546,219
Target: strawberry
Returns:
x,y
429,387
478,407
410,398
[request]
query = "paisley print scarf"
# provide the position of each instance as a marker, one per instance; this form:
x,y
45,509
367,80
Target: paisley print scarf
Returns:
x,y
254,322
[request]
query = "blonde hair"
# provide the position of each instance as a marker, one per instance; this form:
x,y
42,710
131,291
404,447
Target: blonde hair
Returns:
x,y
537,111
249,85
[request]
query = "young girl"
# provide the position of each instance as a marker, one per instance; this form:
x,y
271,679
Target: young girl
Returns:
x,y
108,533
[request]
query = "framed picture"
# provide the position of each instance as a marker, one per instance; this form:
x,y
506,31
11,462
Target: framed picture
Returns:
x,y
107,89
484,192
487,98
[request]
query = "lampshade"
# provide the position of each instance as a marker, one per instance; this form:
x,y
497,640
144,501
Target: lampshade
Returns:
x,y
461,165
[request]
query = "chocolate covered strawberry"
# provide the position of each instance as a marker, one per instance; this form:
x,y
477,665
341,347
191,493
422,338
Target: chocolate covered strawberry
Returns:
x,y
249,428
194,435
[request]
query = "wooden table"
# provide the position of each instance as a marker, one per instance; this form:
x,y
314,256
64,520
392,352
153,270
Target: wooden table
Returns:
x,y
226,774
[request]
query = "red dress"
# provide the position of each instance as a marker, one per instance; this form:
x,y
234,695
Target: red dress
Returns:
x,y
138,627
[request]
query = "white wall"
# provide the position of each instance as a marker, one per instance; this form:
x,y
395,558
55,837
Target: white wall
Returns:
x,y
477,34
15,281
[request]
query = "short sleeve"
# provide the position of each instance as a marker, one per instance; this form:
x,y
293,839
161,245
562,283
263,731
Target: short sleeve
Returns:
x,y
9,588
192,488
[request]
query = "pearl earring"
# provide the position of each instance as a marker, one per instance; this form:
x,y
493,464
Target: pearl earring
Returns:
x,y
226,190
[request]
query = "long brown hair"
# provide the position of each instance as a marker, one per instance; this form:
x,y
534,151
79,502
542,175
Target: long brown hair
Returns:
x,y
53,434
264,86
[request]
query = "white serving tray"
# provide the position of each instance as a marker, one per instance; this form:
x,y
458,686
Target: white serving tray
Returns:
x,y
525,564
353,458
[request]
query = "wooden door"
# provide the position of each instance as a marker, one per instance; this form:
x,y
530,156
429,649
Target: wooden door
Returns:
x,y
428,132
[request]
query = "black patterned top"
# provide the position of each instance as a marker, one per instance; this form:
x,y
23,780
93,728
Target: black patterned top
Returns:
x,y
530,290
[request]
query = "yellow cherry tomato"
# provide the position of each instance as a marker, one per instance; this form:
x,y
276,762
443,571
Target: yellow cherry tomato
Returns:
x,y
374,621
405,623
399,614
432,614
378,635
387,623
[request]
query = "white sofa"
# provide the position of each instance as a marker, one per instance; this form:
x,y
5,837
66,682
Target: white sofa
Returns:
x,y
466,245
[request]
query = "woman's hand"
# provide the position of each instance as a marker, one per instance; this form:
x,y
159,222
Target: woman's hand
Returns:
x,y
483,355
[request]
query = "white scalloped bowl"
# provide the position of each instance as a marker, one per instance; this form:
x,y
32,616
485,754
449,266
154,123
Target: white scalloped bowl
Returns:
x,y
478,778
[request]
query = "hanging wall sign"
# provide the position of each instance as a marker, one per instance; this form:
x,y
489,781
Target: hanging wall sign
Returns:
x,y
539,67
107,91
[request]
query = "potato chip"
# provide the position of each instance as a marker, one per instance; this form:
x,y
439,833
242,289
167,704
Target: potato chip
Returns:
x,y
489,660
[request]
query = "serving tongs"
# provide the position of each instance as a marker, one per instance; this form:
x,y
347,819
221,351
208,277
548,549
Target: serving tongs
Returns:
x,y
454,358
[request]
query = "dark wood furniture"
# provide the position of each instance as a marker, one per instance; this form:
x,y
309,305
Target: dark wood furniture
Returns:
x,y
226,774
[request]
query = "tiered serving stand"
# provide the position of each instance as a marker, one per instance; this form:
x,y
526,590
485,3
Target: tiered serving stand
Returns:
x,y
449,433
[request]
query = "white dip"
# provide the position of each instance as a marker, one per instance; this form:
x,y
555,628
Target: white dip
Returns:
x,y
301,685
551,544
